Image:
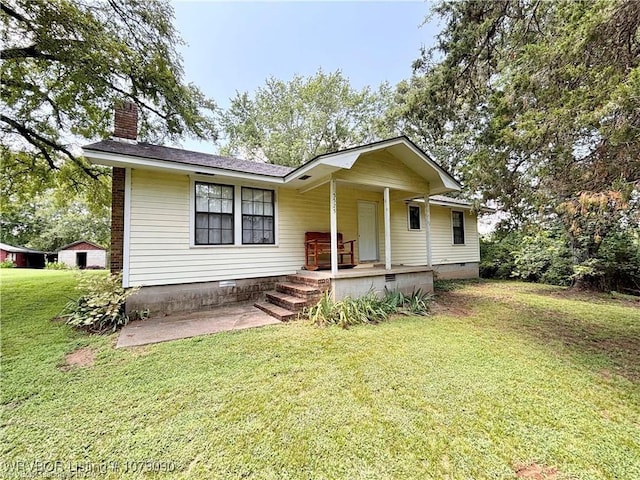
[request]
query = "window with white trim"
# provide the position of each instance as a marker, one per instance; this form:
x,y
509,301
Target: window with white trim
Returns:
x,y
258,216
457,222
414,217
214,214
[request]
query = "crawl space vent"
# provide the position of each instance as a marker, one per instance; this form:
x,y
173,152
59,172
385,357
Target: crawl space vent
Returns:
x,y
390,277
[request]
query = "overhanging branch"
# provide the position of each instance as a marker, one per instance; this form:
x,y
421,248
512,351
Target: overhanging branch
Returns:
x,y
42,143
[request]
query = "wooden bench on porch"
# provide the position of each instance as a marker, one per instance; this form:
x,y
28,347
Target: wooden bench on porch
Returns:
x,y
319,243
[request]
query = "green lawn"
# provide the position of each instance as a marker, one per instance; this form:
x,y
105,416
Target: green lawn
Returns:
x,y
504,374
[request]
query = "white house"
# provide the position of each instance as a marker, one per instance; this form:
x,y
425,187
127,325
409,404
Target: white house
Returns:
x,y
195,230
83,254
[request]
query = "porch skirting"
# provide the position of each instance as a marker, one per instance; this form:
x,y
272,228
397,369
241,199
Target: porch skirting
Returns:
x,y
376,279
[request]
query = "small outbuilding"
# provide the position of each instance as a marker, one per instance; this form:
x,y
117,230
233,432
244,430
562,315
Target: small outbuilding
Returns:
x,y
22,257
83,254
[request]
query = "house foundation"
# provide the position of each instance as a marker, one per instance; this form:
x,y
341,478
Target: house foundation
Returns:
x,y
451,271
188,297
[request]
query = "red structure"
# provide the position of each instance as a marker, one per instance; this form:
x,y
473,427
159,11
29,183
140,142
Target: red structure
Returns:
x,y
21,256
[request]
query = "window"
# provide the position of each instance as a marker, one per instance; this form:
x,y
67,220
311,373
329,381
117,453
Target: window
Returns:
x,y
214,214
457,220
257,216
414,217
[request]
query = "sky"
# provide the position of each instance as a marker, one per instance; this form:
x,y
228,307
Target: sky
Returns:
x,y
235,46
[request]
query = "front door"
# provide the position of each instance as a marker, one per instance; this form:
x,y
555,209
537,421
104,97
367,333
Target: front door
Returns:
x,y
367,231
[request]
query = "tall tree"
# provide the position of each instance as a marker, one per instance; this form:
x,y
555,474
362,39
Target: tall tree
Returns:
x,y
290,122
539,101
65,63
47,222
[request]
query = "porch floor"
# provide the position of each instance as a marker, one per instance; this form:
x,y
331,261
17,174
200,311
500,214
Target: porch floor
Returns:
x,y
184,325
365,270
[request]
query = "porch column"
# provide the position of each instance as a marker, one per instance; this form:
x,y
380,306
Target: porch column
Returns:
x,y
427,227
333,209
387,230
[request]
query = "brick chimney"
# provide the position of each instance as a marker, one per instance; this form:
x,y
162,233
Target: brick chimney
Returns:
x,y
125,124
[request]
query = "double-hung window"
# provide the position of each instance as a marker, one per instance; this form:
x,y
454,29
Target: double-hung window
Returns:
x,y
214,214
457,221
257,216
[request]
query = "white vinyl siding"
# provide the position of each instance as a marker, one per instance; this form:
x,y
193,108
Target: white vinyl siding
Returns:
x,y
384,170
444,251
161,250
408,247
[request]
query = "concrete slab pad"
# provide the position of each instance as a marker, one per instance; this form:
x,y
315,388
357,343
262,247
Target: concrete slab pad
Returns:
x,y
174,327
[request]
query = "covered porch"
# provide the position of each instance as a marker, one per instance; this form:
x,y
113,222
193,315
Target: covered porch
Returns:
x,y
377,195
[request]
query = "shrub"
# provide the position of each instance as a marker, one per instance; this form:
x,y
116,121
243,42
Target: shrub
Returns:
x,y
534,256
366,309
101,308
496,255
57,266
416,303
348,311
543,258
7,263
617,265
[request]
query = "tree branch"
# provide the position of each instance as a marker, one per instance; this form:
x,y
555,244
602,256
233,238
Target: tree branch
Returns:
x,y
41,142
25,52
12,13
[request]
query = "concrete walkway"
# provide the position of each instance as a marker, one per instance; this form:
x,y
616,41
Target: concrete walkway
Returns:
x,y
173,327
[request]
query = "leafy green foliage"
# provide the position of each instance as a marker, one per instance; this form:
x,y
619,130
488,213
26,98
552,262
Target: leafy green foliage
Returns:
x,y
617,265
50,220
349,311
7,263
288,123
367,309
57,266
101,308
415,303
65,64
543,256
535,104
534,256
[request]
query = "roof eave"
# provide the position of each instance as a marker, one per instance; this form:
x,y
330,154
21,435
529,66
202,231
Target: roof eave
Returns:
x,y
345,159
123,161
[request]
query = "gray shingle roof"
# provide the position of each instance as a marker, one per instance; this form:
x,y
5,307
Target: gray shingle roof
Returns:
x,y
176,155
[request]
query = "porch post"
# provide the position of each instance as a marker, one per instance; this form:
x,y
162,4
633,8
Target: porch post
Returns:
x,y
387,230
427,227
333,208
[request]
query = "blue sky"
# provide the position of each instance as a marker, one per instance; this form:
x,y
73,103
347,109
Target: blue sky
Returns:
x,y
235,46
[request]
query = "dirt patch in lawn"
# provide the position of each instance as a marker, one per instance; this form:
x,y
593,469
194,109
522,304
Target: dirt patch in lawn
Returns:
x,y
535,471
82,357
452,303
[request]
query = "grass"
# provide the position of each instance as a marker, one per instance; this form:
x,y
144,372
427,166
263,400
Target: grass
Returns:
x,y
504,374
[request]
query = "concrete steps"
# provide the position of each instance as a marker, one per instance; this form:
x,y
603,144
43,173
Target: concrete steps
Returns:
x,y
290,297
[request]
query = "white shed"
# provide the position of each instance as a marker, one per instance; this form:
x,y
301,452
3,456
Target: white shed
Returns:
x,y
83,254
